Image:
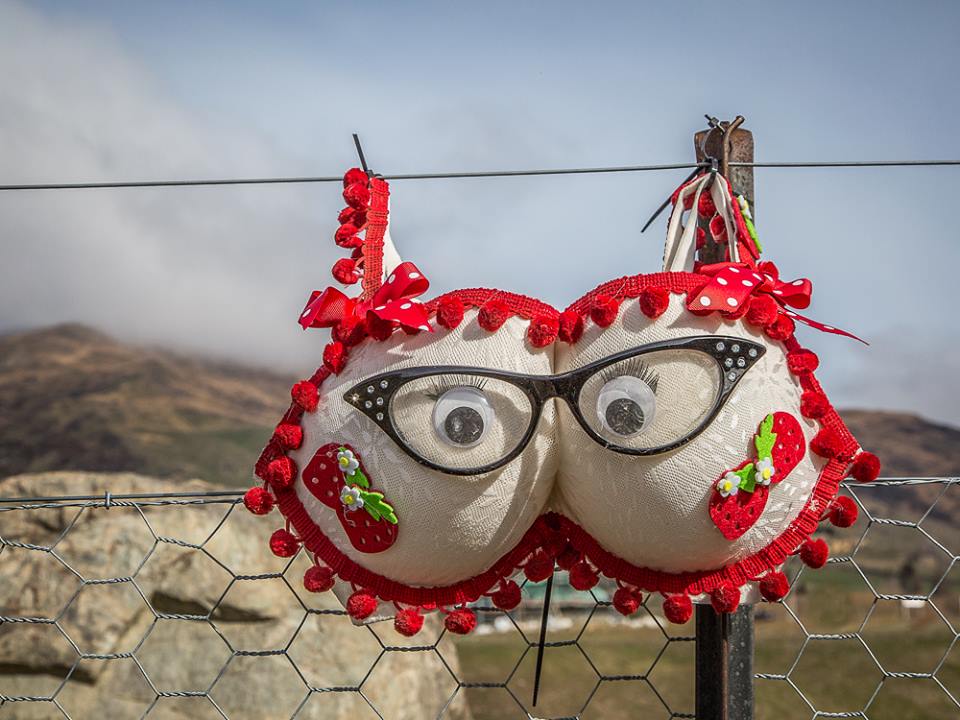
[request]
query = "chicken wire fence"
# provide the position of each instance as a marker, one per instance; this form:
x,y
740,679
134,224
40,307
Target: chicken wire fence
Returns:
x,y
172,607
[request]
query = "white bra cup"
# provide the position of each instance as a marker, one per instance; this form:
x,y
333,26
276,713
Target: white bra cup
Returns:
x,y
450,528
653,511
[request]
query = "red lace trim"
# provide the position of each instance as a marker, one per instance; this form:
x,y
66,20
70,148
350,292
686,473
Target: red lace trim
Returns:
x,y
373,237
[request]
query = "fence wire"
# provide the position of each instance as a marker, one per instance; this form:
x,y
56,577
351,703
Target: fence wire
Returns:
x,y
167,606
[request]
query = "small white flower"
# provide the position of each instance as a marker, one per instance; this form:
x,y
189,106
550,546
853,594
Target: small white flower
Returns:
x,y
347,462
765,471
744,207
729,484
351,498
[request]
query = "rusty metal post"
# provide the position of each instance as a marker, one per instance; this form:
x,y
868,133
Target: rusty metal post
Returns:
x,y
710,143
724,664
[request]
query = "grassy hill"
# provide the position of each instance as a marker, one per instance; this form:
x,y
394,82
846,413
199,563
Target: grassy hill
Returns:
x,y
76,399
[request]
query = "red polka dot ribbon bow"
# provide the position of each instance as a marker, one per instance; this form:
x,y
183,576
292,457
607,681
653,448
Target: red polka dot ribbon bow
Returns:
x,y
394,302
732,285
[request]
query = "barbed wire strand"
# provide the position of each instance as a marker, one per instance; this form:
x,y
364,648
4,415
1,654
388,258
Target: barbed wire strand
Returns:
x,y
470,174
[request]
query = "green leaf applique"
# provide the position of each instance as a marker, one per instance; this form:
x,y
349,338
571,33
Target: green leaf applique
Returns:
x,y
358,478
748,477
765,439
377,507
748,221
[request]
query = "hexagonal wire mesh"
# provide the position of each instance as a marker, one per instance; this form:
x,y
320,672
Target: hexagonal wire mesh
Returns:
x,y
124,607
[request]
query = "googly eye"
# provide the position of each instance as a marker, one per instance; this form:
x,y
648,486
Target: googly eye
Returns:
x,y
462,416
626,406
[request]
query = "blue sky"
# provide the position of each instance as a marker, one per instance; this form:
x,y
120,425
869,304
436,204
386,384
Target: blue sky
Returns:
x,y
202,89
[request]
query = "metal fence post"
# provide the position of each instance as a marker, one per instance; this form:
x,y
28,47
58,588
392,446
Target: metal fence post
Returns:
x,y
724,646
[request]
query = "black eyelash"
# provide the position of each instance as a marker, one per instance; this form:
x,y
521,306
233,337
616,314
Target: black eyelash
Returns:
x,y
444,383
635,367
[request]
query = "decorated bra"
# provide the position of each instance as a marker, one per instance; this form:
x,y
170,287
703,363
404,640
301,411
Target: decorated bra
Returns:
x,y
665,431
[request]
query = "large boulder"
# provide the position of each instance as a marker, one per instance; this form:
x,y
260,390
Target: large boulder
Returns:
x,y
194,603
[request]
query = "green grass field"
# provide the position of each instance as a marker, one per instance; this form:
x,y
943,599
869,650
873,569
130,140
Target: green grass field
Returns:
x,y
834,675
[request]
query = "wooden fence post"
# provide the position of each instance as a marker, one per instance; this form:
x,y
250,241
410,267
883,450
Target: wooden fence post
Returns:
x,y
724,645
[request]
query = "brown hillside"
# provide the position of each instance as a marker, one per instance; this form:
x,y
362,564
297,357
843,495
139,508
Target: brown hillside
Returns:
x,y
76,399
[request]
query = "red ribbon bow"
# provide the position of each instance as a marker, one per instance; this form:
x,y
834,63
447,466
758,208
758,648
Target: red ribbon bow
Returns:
x,y
731,285
394,302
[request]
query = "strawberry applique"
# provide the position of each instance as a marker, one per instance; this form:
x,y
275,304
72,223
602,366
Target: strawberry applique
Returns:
x,y
336,477
740,494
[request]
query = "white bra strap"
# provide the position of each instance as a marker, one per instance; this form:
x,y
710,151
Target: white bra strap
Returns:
x,y
679,250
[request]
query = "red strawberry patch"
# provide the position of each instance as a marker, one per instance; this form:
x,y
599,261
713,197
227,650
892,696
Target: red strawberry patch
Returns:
x,y
780,441
790,447
735,514
368,527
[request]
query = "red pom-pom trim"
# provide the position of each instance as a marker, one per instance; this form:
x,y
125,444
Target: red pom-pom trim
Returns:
x,y
289,436
678,609
408,622
508,596
627,601
827,443
461,622
281,472
318,578
843,512
355,175
725,599
706,207
701,238
814,404
450,312
814,553
762,310
604,310
543,330
353,216
258,500
539,567
781,328
345,271
800,362
568,557
346,236
284,544
571,326
335,357
774,586
357,195
583,576
866,467
718,230
493,314
361,605
306,395
654,301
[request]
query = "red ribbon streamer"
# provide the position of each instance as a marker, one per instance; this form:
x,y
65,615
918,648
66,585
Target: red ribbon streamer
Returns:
x,y
731,285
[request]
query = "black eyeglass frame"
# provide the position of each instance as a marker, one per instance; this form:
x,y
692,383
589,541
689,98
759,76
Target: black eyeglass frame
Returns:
x,y
566,386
